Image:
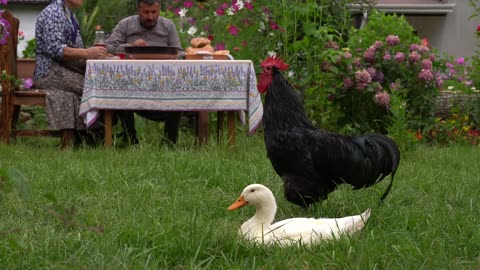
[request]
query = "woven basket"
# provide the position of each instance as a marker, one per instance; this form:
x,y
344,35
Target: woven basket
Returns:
x,y
448,100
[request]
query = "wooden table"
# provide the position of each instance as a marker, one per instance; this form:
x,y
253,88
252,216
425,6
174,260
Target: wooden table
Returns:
x,y
201,86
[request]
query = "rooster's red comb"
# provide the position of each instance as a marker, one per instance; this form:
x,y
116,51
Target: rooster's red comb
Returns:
x,y
274,61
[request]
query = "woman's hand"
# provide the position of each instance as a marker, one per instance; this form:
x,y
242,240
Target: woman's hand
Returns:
x,y
96,52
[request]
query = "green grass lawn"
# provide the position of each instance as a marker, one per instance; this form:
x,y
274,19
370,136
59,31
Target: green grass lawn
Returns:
x,y
155,207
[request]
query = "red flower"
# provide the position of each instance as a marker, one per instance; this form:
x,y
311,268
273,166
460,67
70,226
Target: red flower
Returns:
x,y
478,28
210,37
425,41
274,26
419,135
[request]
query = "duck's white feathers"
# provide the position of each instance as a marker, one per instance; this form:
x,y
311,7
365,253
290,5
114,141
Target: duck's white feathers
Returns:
x,y
294,230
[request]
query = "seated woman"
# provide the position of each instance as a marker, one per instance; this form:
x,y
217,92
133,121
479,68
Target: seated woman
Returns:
x,y
60,63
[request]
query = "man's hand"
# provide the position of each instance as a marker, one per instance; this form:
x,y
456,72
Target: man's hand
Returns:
x,y
139,42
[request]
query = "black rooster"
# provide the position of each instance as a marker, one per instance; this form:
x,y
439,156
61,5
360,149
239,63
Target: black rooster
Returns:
x,y
313,162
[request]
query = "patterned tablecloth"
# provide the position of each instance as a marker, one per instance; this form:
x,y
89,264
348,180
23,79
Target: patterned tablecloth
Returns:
x,y
172,85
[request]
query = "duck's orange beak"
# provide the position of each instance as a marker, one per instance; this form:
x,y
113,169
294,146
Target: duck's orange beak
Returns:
x,y
240,202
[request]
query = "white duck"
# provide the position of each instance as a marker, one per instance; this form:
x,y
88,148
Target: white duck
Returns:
x,y
289,231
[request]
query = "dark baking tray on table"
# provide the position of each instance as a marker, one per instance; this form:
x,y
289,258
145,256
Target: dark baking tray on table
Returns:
x,y
152,52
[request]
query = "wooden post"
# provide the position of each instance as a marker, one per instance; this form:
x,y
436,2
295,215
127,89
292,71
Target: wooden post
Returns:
x,y
202,127
108,128
220,119
231,129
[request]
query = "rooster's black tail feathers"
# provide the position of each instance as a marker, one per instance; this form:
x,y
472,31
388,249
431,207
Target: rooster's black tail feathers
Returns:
x,y
391,148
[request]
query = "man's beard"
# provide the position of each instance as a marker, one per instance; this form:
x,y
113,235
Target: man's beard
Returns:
x,y
148,25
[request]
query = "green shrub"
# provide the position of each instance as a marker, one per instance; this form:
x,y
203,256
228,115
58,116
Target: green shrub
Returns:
x,y
29,51
358,81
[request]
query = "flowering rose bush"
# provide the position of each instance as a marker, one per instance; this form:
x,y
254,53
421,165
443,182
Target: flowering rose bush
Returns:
x,y
244,27
383,58
360,82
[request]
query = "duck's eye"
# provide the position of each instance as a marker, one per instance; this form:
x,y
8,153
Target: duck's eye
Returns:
x,y
253,190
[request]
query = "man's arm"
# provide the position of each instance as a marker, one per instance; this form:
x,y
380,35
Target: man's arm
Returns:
x,y
117,41
173,39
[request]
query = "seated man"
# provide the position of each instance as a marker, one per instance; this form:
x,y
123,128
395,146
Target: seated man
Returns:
x,y
147,28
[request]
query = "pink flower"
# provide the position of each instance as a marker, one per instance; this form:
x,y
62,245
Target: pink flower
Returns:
x,y
426,64
220,46
224,6
192,21
414,47
233,30
248,6
392,40
27,83
378,88
378,44
331,44
395,86
425,75
347,55
363,79
361,86
399,57
382,99
188,4
236,48
347,83
274,26
177,11
356,62
369,54
460,61
387,56
220,12
372,72
414,57
423,49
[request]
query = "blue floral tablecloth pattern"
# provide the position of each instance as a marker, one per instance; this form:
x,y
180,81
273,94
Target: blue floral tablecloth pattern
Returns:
x,y
172,85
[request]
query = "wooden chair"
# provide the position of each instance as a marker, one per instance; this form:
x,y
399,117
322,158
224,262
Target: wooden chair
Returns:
x,y
13,98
